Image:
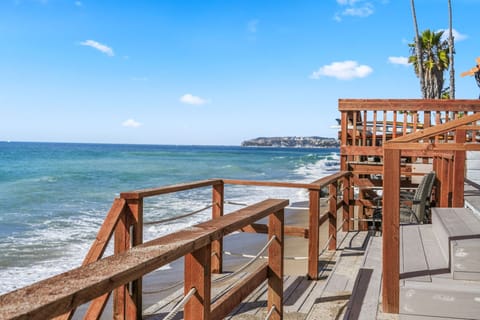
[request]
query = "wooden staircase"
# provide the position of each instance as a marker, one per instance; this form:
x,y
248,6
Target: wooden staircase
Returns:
x,y
440,266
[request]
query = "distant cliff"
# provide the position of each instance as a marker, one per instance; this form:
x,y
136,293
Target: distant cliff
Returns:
x,y
292,142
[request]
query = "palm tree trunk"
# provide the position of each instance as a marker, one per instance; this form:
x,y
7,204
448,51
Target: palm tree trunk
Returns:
x,y
451,47
418,49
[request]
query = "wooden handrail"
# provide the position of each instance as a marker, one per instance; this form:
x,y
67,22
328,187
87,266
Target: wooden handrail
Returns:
x,y
144,193
272,184
408,105
62,293
436,130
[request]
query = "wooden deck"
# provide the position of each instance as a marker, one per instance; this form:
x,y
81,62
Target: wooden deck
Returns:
x,y
326,298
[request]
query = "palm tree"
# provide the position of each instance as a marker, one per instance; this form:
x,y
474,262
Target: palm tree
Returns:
x,y
430,62
451,48
418,50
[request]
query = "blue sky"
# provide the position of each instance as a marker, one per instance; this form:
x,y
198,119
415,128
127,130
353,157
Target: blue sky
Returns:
x,y
208,72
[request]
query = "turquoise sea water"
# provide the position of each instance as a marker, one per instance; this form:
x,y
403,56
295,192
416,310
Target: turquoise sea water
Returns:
x,y
54,196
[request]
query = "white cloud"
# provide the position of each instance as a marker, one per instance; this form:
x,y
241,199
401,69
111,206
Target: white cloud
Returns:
x,y
100,47
78,3
362,12
344,70
398,60
130,123
356,8
457,36
191,99
252,25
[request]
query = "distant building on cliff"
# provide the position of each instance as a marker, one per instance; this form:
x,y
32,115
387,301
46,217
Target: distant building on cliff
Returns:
x,y
292,142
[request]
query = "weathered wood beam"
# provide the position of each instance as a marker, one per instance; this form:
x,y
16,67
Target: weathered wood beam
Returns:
x,y
314,224
227,303
137,194
391,236
59,294
408,104
275,264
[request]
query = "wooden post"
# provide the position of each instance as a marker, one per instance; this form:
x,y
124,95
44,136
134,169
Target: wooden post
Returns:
x,y
198,276
332,216
391,240
444,187
344,138
122,243
313,236
275,264
135,207
217,211
346,203
459,158
351,208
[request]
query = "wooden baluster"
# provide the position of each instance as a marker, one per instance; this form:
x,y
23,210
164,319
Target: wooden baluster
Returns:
x,y
405,119
390,226
217,211
346,203
332,216
198,276
364,129
374,130
394,128
459,171
136,209
275,264
344,139
444,182
313,230
121,244
437,122
384,139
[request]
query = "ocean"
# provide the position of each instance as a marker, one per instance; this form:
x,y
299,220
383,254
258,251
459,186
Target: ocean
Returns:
x,y
54,196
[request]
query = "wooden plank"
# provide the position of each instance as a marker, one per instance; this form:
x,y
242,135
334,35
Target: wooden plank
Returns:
x,y
414,262
275,264
332,216
236,295
313,247
96,307
390,225
121,244
436,261
137,194
459,172
373,261
217,212
57,295
198,276
105,233
96,252
272,184
293,231
408,104
135,212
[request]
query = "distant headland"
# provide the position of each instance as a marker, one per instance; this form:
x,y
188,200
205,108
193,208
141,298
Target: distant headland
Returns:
x,y
292,142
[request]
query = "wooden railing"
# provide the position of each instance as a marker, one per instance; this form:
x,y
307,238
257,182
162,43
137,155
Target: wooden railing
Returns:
x,y
202,246
367,124
448,163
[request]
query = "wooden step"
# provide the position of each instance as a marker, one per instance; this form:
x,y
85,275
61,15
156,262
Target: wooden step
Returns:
x,y
446,298
454,224
466,259
420,254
